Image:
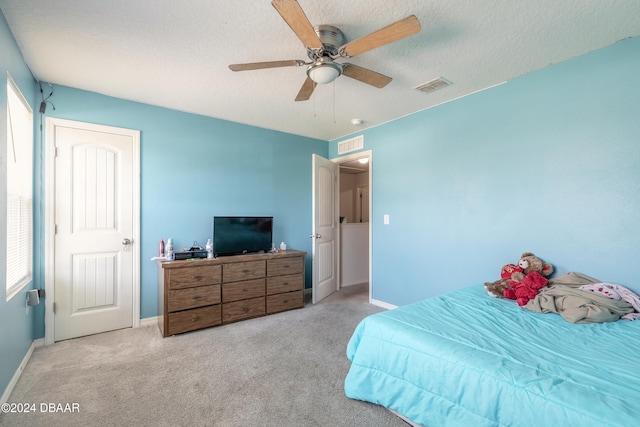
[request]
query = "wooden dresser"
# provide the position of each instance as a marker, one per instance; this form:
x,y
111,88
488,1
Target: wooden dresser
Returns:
x,y
196,294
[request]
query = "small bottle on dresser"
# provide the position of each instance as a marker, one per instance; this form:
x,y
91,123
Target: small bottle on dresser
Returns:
x,y
209,248
169,254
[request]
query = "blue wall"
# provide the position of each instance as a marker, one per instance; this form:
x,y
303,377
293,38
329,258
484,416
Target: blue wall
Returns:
x,y
548,163
16,326
195,167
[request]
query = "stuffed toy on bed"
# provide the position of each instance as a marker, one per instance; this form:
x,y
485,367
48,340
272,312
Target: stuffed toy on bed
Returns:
x,y
525,284
527,289
511,273
497,288
529,263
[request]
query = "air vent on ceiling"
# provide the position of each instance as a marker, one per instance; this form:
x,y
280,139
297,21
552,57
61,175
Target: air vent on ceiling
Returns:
x,y
352,144
432,85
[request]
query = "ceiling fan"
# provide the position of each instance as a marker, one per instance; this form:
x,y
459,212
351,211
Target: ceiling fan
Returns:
x,y
326,43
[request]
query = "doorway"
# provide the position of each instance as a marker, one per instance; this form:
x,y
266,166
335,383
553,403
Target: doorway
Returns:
x,y
355,226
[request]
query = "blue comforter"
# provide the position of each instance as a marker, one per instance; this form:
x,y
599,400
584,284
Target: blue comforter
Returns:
x,y
467,359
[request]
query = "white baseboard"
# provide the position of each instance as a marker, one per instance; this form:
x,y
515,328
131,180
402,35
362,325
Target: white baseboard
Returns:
x,y
383,304
345,285
18,373
355,282
148,321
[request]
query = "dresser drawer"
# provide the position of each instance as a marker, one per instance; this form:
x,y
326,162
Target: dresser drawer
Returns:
x,y
189,320
288,283
244,309
278,267
193,276
242,290
183,299
237,271
286,301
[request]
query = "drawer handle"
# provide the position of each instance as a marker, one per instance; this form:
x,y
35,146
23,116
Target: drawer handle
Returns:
x,y
196,297
245,290
246,271
195,319
197,277
245,309
285,301
285,283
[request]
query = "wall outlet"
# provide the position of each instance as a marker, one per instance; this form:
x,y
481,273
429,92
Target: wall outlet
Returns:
x,y
386,219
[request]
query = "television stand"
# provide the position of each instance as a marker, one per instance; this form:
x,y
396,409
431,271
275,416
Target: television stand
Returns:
x,y
197,294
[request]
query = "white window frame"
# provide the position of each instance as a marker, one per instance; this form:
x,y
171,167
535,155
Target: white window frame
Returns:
x,y
19,202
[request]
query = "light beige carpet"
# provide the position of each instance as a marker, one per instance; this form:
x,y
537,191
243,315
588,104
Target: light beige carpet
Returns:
x,y
286,369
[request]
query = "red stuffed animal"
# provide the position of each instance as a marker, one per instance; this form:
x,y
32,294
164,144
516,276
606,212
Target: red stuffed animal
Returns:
x,y
508,270
526,284
512,283
527,289
496,289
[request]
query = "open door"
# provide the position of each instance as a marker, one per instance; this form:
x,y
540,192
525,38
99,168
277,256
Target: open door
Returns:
x,y
325,228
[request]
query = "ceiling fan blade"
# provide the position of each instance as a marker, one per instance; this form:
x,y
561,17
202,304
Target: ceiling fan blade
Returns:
x,y
306,90
391,33
293,14
365,76
268,64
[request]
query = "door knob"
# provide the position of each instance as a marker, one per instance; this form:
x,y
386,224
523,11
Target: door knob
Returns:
x,y
317,236
125,244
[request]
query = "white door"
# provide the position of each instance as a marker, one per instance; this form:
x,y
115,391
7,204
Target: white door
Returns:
x,y
96,192
325,228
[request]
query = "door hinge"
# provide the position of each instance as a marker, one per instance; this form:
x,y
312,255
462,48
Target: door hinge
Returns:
x,y
54,308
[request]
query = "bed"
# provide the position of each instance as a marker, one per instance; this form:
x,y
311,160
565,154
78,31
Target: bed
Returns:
x,y
467,359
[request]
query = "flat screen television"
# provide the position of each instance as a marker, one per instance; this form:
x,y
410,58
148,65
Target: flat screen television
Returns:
x,y
234,235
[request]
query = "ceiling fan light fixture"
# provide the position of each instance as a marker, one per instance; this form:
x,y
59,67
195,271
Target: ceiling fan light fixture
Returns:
x,y
323,72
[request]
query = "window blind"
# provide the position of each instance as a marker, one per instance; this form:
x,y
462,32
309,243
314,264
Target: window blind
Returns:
x,y
19,246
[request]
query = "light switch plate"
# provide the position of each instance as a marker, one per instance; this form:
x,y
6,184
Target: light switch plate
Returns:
x,y
386,219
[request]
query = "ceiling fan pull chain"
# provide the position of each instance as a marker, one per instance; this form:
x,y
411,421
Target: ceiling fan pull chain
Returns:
x,y
314,107
334,102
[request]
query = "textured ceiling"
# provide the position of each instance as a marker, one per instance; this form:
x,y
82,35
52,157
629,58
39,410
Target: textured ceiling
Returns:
x,y
176,54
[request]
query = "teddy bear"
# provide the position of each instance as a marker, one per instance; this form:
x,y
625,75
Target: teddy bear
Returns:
x,y
496,289
528,263
525,284
516,273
